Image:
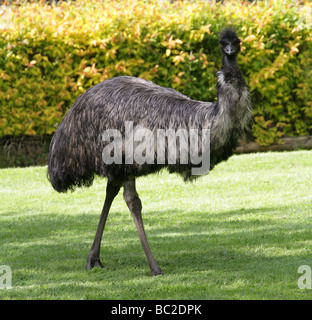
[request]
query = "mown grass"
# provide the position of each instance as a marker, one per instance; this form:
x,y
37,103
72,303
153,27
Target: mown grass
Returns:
x,y
240,232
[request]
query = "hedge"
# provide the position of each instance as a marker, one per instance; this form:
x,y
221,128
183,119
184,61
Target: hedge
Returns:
x,y
51,53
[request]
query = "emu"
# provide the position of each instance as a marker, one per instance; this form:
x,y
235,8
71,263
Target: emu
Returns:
x,y
76,149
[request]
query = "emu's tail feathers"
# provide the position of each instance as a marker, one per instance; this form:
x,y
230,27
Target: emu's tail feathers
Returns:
x,y
67,170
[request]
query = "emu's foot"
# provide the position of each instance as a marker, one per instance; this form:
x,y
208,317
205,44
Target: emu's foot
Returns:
x,y
156,272
95,262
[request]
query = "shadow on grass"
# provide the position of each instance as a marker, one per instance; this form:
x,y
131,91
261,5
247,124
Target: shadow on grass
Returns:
x,y
63,241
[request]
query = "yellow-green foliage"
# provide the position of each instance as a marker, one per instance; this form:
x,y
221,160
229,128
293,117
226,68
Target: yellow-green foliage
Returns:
x,y
50,54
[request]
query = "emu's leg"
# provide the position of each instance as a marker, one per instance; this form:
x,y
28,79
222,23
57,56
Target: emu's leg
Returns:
x,y
93,260
134,203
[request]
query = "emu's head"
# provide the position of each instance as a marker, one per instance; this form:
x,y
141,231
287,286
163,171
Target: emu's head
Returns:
x,y
230,43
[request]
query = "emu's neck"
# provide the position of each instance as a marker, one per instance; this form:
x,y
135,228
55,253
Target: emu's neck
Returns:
x,y
230,87
228,62
231,72
233,108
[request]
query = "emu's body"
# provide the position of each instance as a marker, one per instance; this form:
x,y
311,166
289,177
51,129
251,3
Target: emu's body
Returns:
x,y
76,148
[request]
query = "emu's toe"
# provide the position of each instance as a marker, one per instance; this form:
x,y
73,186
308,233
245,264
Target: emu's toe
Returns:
x,y
91,263
156,272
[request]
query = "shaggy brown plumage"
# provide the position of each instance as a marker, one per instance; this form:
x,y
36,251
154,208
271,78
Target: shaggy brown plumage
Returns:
x,y
76,148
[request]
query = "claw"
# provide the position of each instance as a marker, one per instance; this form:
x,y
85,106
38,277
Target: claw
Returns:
x,y
156,272
91,263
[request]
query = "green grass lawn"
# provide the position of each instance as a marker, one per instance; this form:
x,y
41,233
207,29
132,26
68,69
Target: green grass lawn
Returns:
x,y
241,232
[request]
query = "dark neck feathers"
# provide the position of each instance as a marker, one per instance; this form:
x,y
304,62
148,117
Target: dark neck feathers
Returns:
x,y
231,71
